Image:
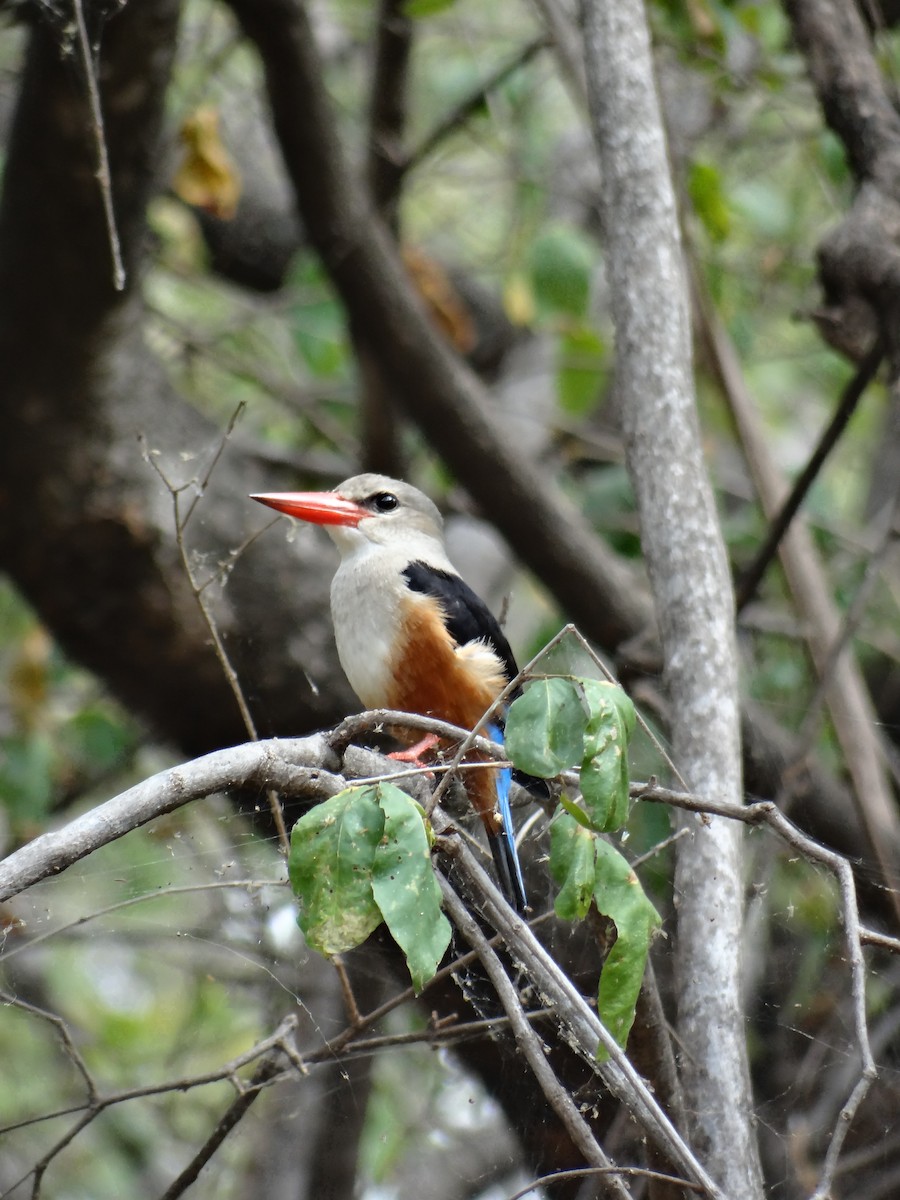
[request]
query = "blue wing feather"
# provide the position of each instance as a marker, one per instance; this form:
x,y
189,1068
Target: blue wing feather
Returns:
x,y
513,868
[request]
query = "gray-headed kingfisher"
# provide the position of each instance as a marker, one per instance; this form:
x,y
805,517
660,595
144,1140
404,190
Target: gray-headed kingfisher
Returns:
x,y
411,634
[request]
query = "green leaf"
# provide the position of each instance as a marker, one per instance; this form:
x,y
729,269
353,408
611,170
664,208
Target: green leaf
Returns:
x,y
765,209
604,770
560,262
572,866
833,156
330,867
405,888
576,812
317,320
425,8
582,362
545,728
708,197
620,897
604,698
320,337
604,786
26,775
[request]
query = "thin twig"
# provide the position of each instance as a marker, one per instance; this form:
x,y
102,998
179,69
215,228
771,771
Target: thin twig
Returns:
x,y
63,1033
248,885
104,178
181,520
237,1110
767,813
470,104
849,625
751,578
199,486
543,1181
353,1014
349,1044
874,937
101,1103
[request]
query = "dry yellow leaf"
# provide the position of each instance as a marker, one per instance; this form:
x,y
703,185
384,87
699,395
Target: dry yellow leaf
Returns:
x,y
446,307
207,177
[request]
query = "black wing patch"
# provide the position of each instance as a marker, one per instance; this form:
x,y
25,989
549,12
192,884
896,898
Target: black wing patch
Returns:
x,y
468,617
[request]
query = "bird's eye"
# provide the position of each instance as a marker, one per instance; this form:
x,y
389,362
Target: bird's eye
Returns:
x,y
384,502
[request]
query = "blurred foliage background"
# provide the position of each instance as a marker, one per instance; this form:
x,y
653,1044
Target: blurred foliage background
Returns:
x,y
166,955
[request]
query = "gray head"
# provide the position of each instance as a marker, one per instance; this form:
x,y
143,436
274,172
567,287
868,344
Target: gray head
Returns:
x,y
365,509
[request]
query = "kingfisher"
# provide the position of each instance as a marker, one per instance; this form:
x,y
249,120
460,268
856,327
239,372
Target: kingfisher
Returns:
x,y
410,632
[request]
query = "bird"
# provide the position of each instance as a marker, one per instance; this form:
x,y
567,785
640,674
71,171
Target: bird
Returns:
x,y
411,634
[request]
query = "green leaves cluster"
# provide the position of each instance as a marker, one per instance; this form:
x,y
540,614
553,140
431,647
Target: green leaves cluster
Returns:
x,y
588,868
566,722
361,858
364,856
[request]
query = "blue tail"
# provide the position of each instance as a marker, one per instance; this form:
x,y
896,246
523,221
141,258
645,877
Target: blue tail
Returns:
x,y
503,845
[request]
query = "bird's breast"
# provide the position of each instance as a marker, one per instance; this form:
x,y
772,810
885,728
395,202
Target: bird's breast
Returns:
x,y
396,651
366,616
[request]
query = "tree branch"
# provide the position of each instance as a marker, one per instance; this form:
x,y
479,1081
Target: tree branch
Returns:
x,y
585,1031
859,261
300,764
852,394
305,768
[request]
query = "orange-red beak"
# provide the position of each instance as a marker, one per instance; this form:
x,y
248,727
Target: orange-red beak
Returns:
x,y
321,508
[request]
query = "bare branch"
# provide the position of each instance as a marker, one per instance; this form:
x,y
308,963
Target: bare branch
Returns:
x,y
65,1037
469,105
850,398
584,1031
103,174
260,762
268,1069
300,765
767,813
196,488
593,1172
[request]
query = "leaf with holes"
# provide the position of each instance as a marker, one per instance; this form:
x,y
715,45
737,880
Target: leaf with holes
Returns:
x,y
545,728
572,859
332,855
619,896
404,885
604,771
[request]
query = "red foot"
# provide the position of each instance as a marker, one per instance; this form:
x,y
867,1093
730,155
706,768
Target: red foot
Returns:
x,y
414,753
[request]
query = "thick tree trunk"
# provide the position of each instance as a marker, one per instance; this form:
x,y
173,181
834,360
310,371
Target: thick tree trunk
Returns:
x,y
87,528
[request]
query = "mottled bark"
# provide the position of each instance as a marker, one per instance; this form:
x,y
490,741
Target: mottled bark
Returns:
x,y
688,571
